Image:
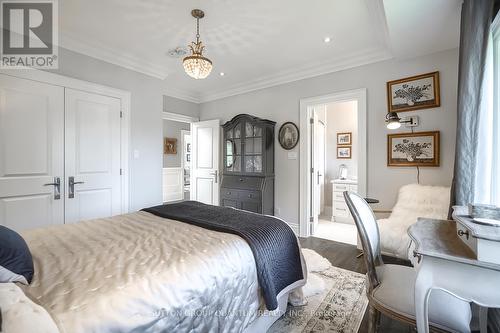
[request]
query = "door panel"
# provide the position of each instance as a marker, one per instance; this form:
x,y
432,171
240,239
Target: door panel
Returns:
x,y
205,162
92,147
205,190
31,152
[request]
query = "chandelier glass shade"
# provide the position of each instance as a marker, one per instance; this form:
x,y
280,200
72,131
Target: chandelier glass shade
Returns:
x,y
196,65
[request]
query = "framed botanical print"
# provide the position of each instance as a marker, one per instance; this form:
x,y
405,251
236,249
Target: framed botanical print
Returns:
x,y
170,146
344,139
414,93
413,149
344,152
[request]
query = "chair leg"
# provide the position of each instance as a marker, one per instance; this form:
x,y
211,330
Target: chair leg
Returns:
x,y
373,320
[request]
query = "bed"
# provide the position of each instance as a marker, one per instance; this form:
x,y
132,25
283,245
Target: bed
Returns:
x,y
144,273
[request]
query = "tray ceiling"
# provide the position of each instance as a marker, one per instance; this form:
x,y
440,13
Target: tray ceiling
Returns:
x,y
256,43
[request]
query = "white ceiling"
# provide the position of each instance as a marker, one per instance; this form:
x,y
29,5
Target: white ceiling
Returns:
x,y
256,43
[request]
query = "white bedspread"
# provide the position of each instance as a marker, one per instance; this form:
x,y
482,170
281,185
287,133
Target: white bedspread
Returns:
x,y
142,273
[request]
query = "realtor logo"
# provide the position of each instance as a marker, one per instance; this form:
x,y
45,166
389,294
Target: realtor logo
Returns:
x,y
29,34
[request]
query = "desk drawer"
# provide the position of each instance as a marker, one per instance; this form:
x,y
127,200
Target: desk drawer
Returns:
x,y
229,193
250,195
466,237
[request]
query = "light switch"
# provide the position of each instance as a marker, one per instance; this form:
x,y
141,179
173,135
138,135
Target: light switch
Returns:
x,y
136,154
292,155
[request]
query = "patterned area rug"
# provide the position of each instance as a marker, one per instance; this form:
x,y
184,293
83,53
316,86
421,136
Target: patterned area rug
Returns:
x,y
340,307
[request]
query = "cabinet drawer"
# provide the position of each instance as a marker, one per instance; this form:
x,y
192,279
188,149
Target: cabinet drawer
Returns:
x,y
338,196
250,196
229,193
340,187
353,188
340,209
230,203
251,206
242,182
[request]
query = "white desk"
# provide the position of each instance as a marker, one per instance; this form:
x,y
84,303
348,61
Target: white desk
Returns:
x,y
444,261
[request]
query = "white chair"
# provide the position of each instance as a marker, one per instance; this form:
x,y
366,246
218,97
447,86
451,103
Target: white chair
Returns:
x,y
391,288
413,201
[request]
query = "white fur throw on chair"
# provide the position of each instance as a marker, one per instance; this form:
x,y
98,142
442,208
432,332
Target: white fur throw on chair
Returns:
x,y
413,201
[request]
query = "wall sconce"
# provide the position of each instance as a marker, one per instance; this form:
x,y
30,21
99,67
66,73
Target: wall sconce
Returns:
x,y
393,121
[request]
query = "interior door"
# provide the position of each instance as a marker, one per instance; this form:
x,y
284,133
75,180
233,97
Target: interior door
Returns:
x,y
314,150
31,153
205,161
92,149
320,167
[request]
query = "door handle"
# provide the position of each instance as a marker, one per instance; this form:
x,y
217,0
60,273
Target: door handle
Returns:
x,y
71,187
57,187
215,174
319,177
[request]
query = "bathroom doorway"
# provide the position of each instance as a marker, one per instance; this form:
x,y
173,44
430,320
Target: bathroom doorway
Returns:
x,y
336,151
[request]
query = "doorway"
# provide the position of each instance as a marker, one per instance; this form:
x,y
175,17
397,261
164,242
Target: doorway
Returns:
x,y
176,157
334,151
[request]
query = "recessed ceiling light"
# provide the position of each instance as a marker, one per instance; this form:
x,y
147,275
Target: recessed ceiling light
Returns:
x,y
222,73
327,39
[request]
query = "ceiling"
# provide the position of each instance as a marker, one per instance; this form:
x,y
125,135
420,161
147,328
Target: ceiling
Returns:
x,y
258,43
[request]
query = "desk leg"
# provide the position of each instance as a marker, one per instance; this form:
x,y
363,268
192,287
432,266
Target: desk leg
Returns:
x,y
423,288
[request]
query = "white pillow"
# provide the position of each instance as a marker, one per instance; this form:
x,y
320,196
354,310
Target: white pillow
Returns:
x,y
20,314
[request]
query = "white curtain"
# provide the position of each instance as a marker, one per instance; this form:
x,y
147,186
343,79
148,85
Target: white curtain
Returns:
x,y
487,169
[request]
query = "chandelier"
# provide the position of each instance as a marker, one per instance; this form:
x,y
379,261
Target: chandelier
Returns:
x,y
196,65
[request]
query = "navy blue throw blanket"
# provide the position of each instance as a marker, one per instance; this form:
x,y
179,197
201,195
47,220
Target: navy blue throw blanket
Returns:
x,y
273,243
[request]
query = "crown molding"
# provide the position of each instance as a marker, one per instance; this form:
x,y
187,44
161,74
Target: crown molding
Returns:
x,y
184,94
320,68
379,22
108,54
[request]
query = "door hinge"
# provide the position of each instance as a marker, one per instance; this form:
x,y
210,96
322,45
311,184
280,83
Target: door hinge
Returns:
x,y
311,219
312,170
121,114
311,121
121,171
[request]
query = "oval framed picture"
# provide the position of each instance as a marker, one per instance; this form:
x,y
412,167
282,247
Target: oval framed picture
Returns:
x,y
288,135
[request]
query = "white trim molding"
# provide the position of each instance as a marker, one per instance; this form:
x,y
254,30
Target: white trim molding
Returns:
x,y
124,96
306,105
112,56
321,68
165,115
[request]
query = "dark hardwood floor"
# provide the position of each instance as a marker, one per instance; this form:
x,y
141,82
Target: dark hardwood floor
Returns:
x,y
344,256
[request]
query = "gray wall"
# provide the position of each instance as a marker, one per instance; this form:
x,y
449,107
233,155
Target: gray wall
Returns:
x,y
147,103
281,104
172,129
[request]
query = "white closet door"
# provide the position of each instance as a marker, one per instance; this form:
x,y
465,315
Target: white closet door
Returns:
x,y
31,153
92,156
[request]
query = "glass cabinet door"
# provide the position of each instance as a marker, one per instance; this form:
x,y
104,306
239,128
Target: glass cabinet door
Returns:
x,y
253,148
233,149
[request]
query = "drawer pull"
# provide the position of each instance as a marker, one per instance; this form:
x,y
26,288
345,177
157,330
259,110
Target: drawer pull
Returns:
x,y
228,193
250,196
342,209
241,179
461,233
